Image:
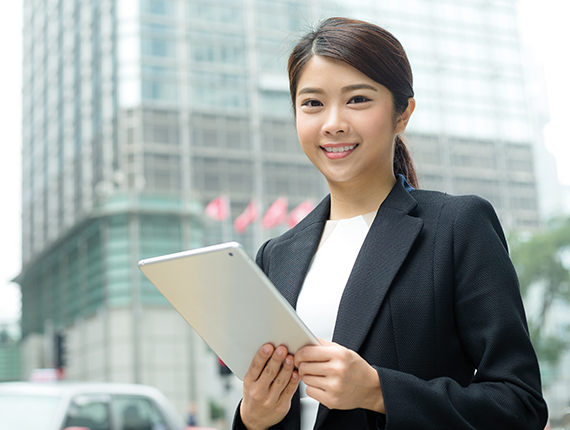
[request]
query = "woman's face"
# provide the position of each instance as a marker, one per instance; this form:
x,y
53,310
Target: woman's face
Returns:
x,y
345,122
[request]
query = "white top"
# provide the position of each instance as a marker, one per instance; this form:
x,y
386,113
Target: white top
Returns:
x,y
322,290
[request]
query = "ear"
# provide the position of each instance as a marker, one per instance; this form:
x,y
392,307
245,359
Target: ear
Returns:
x,y
405,116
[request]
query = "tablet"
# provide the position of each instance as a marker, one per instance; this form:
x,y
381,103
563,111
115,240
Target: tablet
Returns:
x,y
228,301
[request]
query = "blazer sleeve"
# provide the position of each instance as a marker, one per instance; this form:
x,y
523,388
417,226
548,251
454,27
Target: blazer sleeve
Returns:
x,y
505,390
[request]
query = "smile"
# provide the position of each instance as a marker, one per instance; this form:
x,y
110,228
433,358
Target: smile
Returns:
x,y
338,152
340,148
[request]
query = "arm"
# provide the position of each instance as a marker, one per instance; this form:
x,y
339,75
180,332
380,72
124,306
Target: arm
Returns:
x,y
505,391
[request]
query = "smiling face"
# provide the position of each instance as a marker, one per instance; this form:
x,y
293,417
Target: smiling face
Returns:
x,y
346,123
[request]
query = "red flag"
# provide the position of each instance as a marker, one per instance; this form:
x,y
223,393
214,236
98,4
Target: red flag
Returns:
x,y
300,212
218,209
248,216
276,214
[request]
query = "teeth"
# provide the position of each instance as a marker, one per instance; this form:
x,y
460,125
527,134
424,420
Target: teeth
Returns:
x,y
340,148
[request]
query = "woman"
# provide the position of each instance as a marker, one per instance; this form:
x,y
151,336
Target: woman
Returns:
x,y
412,292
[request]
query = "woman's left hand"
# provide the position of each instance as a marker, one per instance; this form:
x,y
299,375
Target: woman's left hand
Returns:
x,y
339,378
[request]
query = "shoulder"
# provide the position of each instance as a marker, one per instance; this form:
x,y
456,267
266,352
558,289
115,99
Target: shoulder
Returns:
x,y
463,216
453,207
454,202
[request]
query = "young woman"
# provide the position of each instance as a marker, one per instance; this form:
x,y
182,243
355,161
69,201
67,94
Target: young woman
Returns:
x,y
412,292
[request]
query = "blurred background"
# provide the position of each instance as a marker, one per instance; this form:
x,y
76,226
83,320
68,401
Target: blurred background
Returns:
x,y
134,128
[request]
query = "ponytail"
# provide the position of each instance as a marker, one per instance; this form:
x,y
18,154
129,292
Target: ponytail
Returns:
x,y
403,163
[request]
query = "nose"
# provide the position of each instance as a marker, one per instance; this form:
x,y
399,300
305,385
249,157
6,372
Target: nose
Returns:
x,y
334,122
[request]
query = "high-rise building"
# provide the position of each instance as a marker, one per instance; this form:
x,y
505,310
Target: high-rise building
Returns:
x,y
474,128
136,113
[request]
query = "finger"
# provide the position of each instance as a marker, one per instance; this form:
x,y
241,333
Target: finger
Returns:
x,y
312,368
316,393
317,382
273,365
283,378
290,388
311,353
325,342
258,363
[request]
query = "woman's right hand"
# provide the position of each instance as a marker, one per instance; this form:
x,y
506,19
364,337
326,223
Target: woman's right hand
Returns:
x,y
268,387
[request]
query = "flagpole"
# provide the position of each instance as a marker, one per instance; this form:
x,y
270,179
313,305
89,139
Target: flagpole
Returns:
x,y
257,232
227,223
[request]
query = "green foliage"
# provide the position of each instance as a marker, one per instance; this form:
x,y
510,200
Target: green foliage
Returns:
x,y
216,411
543,260
551,347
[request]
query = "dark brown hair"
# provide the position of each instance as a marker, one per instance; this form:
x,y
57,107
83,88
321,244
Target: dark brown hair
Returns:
x,y
374,52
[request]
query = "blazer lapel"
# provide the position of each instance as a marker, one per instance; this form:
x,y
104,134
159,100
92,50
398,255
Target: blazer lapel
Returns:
x,y
385,248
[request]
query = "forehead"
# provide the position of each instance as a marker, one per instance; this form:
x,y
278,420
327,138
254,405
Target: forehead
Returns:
x,y
324,72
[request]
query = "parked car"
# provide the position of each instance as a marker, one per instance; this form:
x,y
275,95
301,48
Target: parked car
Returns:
x,y
93,406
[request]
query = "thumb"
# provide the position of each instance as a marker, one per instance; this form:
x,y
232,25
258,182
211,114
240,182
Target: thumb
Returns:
x,y
325,342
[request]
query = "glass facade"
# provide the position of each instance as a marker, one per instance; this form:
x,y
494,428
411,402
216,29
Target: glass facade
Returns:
x,y
9,359
472,131
93,268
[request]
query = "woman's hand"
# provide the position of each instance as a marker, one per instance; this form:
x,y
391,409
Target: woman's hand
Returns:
x,y
268,387
339,378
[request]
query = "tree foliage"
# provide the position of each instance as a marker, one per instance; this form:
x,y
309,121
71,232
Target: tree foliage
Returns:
x,y
543,261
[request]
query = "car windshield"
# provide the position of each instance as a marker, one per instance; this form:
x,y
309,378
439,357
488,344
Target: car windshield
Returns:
x,y
25,412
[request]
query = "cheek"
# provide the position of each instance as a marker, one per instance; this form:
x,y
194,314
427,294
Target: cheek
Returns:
x,y
377,128
306,132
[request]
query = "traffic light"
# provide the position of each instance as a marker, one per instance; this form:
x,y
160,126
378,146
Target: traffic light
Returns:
x,y
60,350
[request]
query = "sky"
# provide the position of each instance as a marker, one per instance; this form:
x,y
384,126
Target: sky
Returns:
x,y
10,146
544,29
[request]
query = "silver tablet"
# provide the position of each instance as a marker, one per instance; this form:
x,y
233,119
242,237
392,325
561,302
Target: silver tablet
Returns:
x,y
228,301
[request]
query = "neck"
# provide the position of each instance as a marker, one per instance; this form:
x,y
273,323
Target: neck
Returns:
x,y
350,200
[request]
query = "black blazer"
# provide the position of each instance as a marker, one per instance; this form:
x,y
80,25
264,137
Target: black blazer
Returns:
x,y
433,303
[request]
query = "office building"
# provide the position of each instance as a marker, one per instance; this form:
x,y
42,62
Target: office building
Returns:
x,y
475,127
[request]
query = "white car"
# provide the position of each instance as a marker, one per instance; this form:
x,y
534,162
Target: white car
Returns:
x,y
93,406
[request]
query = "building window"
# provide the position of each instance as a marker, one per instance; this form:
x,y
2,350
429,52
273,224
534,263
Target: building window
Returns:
x,y
159,7
158,90
158,47
225,90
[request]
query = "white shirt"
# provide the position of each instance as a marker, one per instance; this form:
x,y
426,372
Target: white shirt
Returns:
x,y
322,290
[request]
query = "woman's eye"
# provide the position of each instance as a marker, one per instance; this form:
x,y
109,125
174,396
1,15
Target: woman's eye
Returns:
x,y
312,103
359,99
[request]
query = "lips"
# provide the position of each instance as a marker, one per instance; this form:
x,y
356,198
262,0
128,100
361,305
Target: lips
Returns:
x,y
337,151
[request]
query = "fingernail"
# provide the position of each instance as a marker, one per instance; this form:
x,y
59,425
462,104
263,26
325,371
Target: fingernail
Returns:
x,y
280,352
288,360
294,375
267,349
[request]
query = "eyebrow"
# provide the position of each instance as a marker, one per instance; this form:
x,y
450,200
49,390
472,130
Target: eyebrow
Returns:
x,y
346,89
